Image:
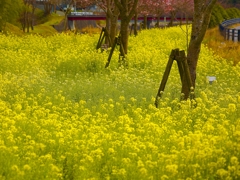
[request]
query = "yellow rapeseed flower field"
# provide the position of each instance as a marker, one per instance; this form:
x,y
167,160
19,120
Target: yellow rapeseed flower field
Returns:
x,y
64,116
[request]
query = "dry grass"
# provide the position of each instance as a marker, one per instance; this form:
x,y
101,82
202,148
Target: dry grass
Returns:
x,y
10,28
44,30
226,49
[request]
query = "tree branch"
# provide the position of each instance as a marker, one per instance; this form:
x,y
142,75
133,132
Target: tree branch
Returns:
x,y
205,20
133,10
119,5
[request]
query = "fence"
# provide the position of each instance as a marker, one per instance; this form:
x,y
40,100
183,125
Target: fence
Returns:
x,y
230,33
82,13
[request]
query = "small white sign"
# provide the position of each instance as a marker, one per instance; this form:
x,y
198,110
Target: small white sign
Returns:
x,y
211,79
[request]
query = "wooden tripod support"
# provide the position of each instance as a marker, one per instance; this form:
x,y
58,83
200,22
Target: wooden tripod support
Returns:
x,y
183,68
104,34
118,42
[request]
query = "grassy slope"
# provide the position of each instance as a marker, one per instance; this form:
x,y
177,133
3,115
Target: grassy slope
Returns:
x,y
13,29
46,28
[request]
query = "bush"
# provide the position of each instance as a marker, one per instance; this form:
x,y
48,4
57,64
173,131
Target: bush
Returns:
x,y
218,15
233,13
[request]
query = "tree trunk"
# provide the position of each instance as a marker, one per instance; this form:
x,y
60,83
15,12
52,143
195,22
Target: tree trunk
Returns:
x,y
113,28
66,19
24,21
108,26
181,19
112,15
124,34
32,18
173,13
47,7
55,8
158,21
135,24
127,11
145,22
192,59
32,15
28,24
202,14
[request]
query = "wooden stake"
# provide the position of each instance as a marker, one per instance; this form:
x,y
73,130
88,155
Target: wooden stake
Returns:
x,y
103,35
118,42
183,68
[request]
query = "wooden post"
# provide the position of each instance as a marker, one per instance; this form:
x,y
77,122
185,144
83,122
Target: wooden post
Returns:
x,y
111,52
228,34
103,35
121,49
184,72
100,39
238,35
121,60
233,34
180,65
165,77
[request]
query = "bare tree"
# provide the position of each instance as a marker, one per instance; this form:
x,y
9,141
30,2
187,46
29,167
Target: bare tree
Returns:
x,y
201,18
27,16
185,8
48,6
55,3
70,3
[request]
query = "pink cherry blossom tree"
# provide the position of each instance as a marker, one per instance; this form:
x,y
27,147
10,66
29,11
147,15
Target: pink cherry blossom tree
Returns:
x,y
171,6
159,7
143,8
185,8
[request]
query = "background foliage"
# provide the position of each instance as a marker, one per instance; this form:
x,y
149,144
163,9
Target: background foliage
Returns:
x,y
9,11
219,14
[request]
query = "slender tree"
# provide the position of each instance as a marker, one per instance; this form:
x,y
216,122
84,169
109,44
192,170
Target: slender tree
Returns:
x,y
48,6
68,11
185,9
172,6
143,8
55,3
27,16
158,8
74,3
